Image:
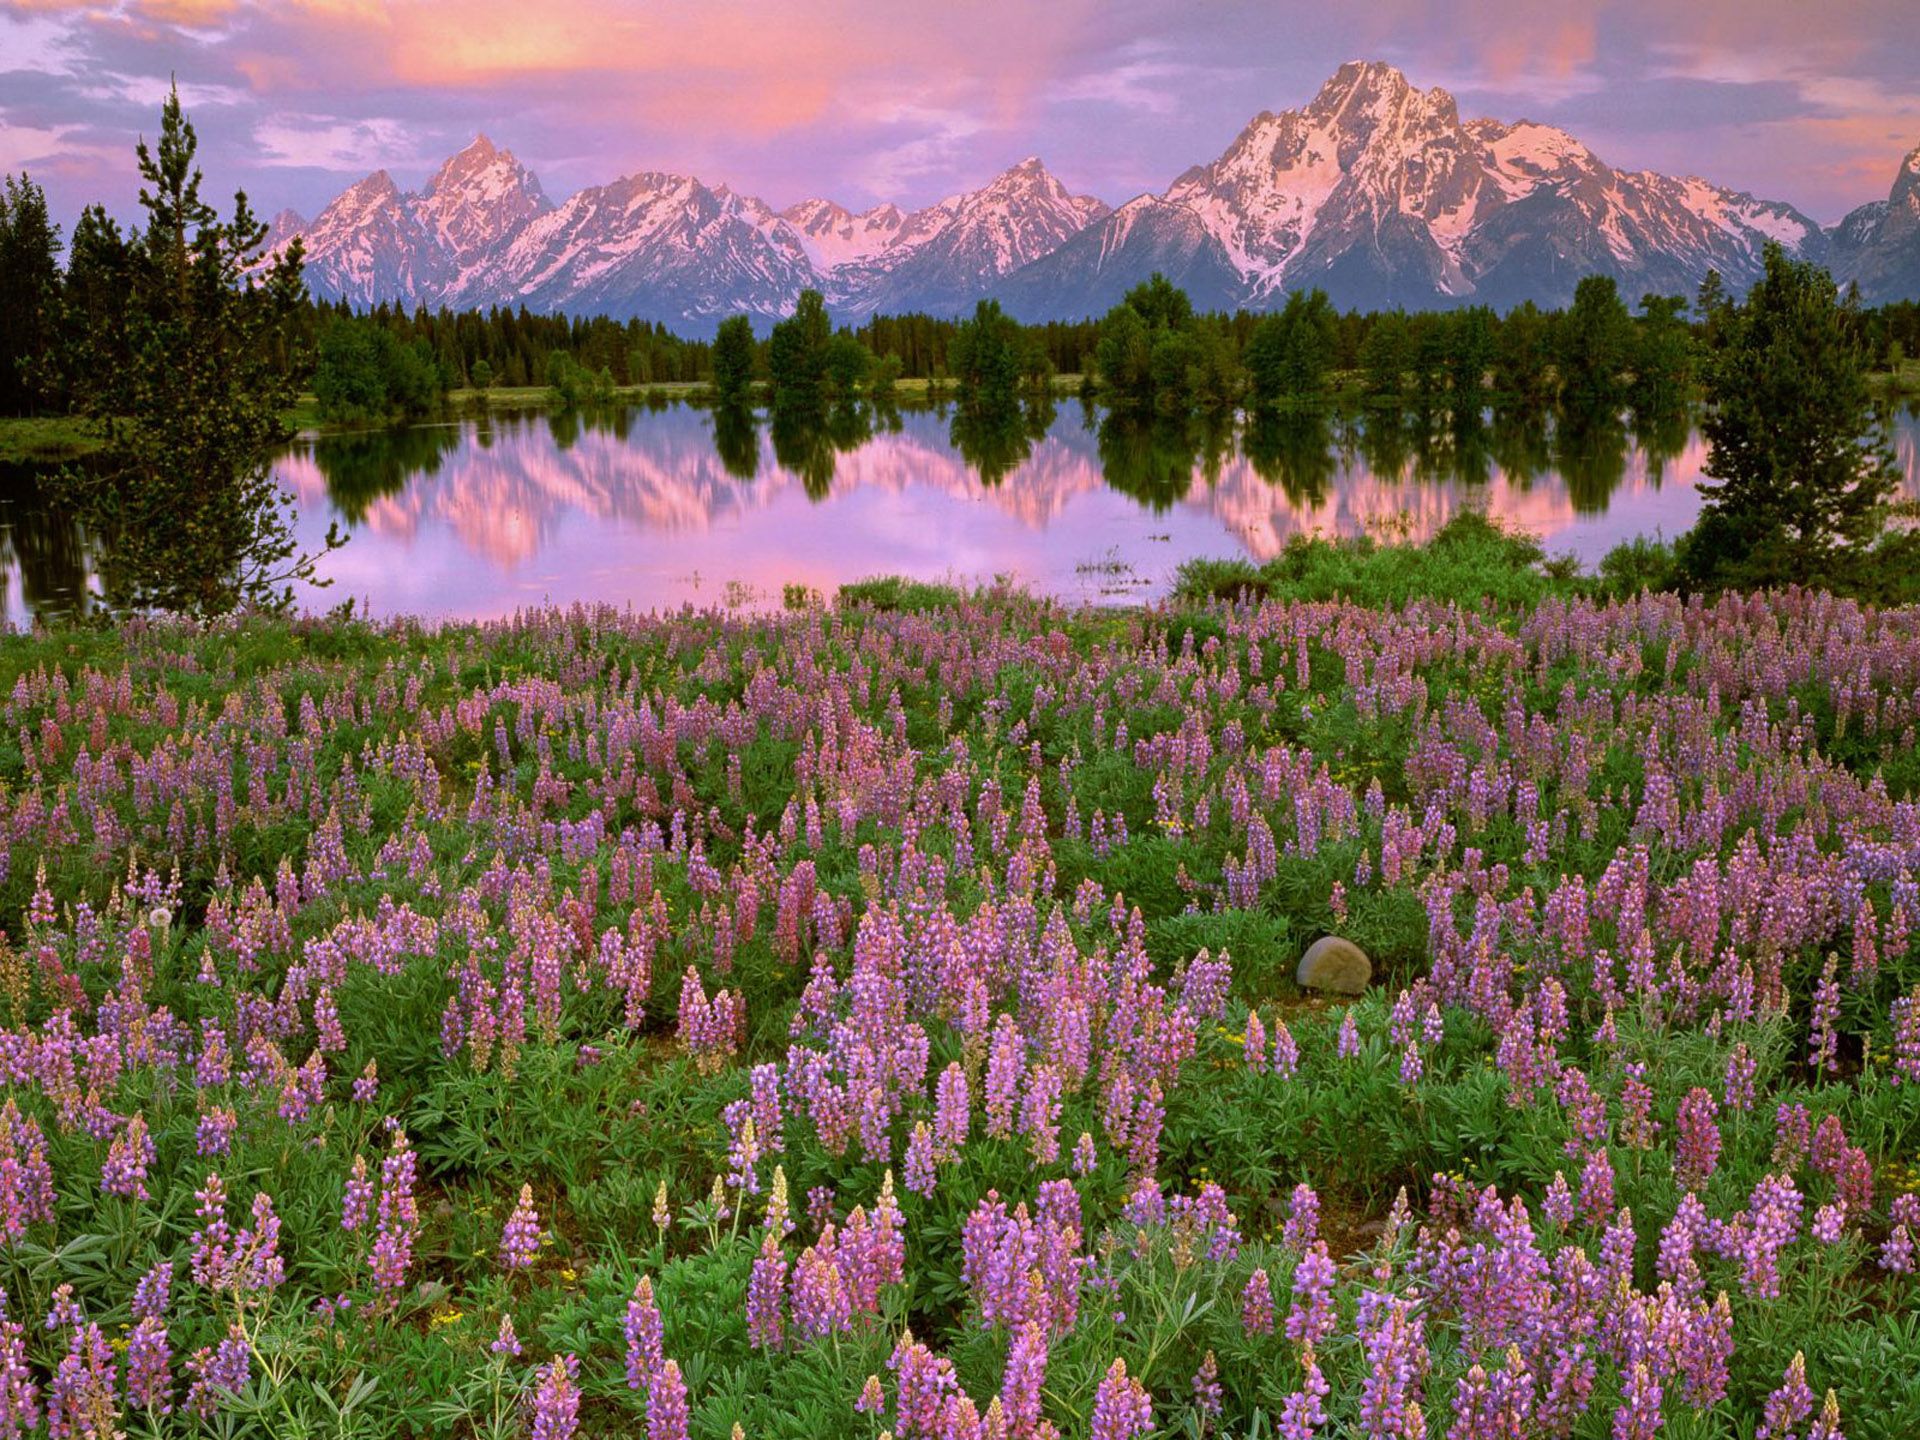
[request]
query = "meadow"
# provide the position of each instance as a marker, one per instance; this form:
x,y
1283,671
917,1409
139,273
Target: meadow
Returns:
x,y
880,1017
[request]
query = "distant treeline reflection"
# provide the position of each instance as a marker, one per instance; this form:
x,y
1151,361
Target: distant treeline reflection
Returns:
x,y
1153,458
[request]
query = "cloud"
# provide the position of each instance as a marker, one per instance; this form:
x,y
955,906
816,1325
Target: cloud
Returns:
x,y
349,147
905,100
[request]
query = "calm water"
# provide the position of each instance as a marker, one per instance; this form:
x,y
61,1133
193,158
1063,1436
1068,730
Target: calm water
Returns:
x,y
651,507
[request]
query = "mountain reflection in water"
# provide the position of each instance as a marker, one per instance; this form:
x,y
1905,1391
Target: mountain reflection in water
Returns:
x,y
656,506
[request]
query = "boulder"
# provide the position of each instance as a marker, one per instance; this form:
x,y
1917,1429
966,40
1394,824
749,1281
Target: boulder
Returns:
x,y
1335,964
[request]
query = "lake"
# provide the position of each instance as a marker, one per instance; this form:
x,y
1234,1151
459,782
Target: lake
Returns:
x,y
650,507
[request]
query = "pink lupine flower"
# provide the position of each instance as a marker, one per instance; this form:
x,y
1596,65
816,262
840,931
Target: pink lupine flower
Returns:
x,y
554,1411
1122,1409
1697,1146
125,1171
667,1404
1026,1373
396,1219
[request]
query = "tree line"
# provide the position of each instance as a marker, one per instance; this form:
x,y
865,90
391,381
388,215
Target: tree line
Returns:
x,y
1152,352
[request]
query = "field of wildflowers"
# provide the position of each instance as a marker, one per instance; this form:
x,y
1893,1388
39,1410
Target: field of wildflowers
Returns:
x,y
860,1020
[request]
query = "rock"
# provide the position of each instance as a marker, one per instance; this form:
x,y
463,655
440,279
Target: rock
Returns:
x,y
1335,964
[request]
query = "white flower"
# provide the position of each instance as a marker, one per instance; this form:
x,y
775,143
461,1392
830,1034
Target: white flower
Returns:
x,y
160,917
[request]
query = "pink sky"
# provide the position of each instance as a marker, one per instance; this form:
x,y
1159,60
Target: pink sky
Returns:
x,y
864,100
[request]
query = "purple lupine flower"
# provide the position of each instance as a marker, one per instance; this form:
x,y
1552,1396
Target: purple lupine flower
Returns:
x,y
872,1399
1254,1047
1303,1218
1348,1047
644,1330
1823,1030
1557,1205
1026,1373
257,1248
951,1115
1638,1416
1393,1338
217,1373
667,1404
154,1292
150,1367
125,1170
1122,1409
213,1134
766,1295
358,1200
1286,1051
82,1401
520,1237
1905,1019
19,1396
1208,1395
1696,1150
555,1407
212,1258
397,1218
1412,1067
366,1087
1256,1305
1741,1069
919,1165
1302,1413
1788,1406
1311,1318
1086,1159
506,1342
26,1177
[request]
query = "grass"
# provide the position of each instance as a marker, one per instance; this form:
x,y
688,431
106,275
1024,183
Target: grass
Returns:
x,y
41,438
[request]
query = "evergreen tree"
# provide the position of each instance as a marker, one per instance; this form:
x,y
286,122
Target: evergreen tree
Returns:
x,y
1800,468
1468,355
985,360
1292,350
29,297
1521,357
184,493
845,366
1595,347
1386,355
797,357
733,361
1663,355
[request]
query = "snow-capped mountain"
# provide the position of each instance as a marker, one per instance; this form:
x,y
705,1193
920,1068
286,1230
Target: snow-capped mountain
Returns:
x,y
1377,191
947,256
1380,194
376,242
1878,245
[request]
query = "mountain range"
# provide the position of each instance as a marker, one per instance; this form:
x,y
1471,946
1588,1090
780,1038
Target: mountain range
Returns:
x,y
1377,192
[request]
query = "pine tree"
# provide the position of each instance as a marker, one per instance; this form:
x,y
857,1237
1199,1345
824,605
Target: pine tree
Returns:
x,y
797,357
29,297
184,492
1800,467
1292,350
985,360
1595,347
733,361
